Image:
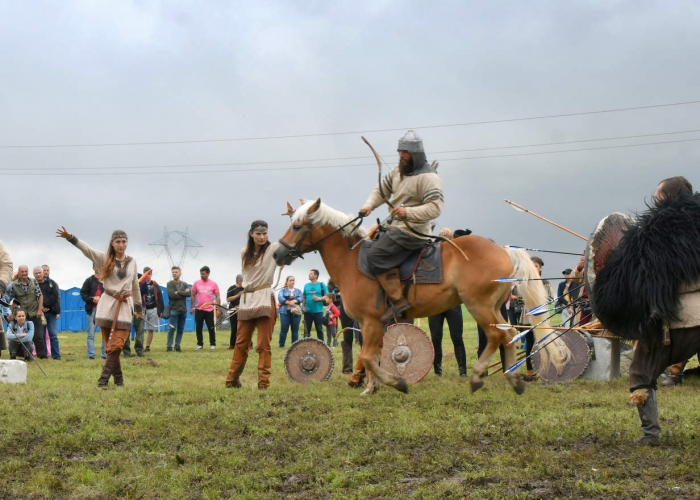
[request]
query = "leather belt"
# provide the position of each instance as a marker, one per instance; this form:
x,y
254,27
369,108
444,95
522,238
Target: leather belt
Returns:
x,y
120,300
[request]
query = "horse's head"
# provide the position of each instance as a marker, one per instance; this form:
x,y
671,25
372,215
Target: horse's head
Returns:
x,y
312,224
299,238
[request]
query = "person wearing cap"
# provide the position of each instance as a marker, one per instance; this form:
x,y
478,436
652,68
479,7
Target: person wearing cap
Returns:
x,y
414,189
565,296
257,307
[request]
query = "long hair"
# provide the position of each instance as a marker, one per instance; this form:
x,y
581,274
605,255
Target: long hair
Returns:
x,y
250,257
111,254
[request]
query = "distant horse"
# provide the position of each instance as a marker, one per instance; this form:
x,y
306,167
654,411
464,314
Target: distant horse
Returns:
x,y
316,226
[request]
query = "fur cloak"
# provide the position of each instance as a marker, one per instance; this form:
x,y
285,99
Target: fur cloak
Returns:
x,y
638,288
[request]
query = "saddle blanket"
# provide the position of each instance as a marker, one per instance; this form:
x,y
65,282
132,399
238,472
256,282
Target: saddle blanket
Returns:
x,y
425,263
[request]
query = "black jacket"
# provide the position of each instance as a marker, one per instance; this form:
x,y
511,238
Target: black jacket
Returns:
x,y
574,289
88,292
52,295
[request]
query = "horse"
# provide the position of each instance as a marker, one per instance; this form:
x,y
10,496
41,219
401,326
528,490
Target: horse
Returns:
x,y
468,272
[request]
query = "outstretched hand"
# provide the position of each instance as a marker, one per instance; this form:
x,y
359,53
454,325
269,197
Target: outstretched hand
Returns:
x,y
63,233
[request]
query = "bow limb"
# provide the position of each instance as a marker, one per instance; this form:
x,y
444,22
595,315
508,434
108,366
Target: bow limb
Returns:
x,y
379,167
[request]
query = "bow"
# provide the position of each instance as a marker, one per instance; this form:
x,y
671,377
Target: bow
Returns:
x,y
379,167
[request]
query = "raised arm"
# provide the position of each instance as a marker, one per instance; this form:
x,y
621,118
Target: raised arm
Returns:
x,y
97,257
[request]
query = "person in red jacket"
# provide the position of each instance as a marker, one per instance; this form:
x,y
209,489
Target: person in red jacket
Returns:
x,y
332,315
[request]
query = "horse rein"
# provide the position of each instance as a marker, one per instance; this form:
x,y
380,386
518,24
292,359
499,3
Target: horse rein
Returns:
x,y
297,252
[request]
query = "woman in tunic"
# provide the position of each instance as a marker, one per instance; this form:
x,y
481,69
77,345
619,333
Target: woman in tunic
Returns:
x,y
121,298
257,308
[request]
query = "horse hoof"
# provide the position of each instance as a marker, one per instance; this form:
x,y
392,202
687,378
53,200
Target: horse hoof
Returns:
x,y
402,386
355,385
520,387
476,384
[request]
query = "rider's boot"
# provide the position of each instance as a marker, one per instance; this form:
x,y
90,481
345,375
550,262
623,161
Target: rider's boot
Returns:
x,y
391,283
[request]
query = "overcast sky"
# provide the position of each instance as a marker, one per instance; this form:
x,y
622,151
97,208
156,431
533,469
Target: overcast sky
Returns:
x,y
128,72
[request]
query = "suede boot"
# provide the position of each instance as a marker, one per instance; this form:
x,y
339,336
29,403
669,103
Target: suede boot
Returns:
x,y
107,370
649,415
117,372
461,356
391,283
347,357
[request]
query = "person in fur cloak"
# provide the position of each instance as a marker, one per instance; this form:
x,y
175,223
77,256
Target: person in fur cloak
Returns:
x,y
649,290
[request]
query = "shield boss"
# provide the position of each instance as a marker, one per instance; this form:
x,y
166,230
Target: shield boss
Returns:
x,y
407,352
574,367
308,359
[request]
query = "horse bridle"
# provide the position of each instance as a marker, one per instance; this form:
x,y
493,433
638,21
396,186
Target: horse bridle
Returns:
x,y
297,252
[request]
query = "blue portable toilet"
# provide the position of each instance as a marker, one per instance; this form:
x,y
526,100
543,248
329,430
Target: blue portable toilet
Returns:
x,y
73,316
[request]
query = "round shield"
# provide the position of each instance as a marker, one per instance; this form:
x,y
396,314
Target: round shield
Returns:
x,y
408,352
308,359
603,242
576,364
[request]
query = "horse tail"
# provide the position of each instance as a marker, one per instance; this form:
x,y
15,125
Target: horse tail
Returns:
x,y
534,294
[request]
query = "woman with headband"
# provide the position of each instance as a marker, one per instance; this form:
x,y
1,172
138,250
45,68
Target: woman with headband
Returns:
x,y
121,298
257,308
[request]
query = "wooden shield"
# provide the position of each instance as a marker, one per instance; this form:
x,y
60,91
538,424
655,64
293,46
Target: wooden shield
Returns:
x,y
308,359
577,364
408,352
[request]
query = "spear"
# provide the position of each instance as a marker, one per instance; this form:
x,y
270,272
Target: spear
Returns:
x,y
517,280
539,250
507,326
520,208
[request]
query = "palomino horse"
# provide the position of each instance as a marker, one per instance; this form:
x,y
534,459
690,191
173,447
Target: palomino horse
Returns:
x,y
316,226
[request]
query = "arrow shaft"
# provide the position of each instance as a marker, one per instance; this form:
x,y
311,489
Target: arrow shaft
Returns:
x,y
545,219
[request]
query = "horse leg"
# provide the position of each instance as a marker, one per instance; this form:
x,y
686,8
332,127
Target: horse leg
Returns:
x,y
372,335
514,379
485,316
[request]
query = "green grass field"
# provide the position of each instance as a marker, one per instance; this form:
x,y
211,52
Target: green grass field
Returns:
x,y
174,431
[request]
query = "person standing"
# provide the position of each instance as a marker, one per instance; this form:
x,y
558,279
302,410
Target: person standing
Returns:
x,y
257,308
233,297
178,291
52,307
566,294
27,292
121,299
90,292
331,319
314,291
349,328
152,299
456,326
205,293
289,298
5,278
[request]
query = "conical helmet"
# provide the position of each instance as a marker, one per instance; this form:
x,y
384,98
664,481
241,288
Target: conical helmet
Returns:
x,y
411,142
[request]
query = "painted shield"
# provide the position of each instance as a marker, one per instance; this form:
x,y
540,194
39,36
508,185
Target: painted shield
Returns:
x,y
575,366
408,352
602,243
308,359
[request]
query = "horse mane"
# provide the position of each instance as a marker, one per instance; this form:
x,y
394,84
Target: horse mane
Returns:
x,y
328,216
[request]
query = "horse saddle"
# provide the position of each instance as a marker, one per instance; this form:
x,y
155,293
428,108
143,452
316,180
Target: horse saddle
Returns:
x,y
423,266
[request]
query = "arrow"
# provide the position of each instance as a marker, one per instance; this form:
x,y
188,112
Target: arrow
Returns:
x,y
520,208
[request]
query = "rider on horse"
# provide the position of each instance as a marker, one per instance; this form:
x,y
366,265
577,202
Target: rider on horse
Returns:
x,y
416,196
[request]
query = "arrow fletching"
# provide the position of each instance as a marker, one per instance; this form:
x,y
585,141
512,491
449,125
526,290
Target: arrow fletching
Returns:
x,y
504,280
503,326
538,311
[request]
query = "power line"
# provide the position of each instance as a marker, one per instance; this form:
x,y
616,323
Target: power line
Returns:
x,y
327,134
136,167
199,172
